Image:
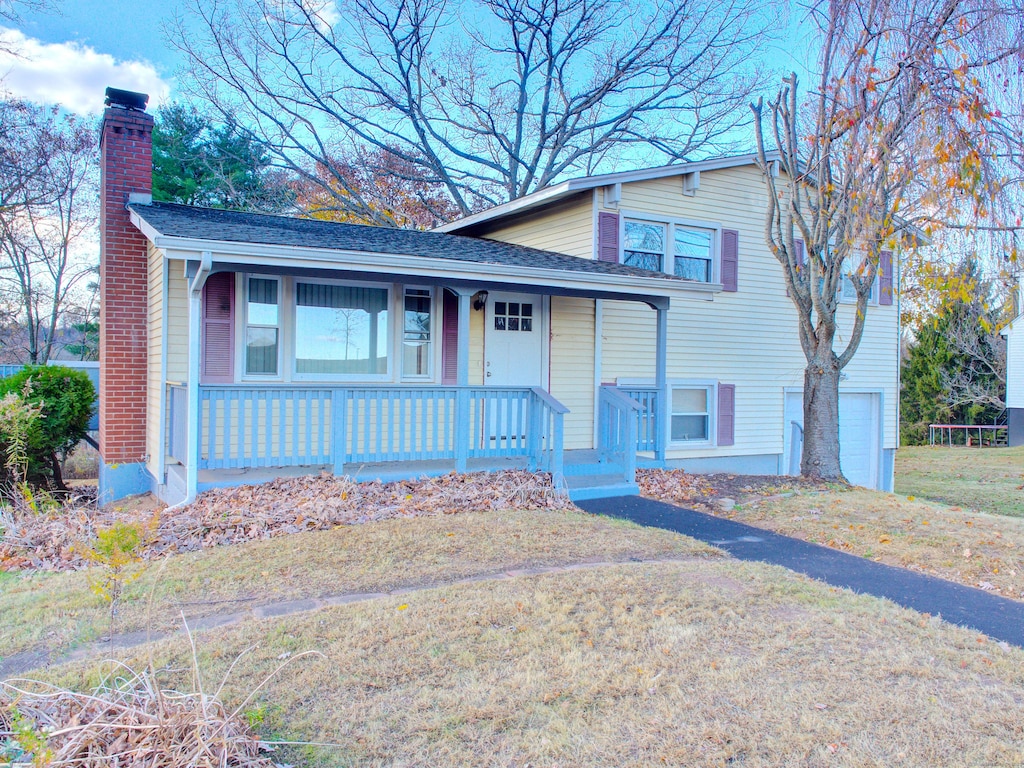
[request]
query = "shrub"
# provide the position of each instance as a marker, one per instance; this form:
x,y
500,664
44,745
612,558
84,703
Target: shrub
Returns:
x,y
64,397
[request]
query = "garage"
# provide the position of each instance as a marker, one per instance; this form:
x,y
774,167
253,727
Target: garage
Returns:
x,y
859,435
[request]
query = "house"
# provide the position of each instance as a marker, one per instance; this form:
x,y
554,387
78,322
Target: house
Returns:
x,y
601,323
1014,334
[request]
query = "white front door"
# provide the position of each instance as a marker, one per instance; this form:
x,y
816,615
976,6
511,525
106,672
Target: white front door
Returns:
x,y
514,340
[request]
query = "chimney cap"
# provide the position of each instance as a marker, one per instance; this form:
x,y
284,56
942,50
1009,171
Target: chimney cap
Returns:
x,y
116,97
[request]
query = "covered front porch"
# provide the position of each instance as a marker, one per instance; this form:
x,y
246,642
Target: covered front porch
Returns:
x,y
429,380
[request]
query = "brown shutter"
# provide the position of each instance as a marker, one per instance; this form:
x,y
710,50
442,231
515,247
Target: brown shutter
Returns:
x,y
218,357
726,414
608,237
730,259
449,339
885,278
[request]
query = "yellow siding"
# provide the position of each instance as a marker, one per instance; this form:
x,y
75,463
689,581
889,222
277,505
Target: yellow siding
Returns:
x,y
566,228
748,338
177,323
154,381
476,348
572,366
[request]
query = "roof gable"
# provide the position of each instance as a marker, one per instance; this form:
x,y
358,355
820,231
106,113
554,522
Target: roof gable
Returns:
x,y
565,189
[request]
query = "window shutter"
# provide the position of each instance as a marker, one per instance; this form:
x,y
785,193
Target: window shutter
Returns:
x,y
608,237
450,339
885,278
218,342
726,414
730,260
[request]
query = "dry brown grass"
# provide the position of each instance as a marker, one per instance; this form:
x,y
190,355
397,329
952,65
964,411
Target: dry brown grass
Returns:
x,y
702,664
950,542
57,610
126,720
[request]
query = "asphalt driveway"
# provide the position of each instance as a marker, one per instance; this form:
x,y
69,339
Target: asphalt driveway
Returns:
x,y
998,617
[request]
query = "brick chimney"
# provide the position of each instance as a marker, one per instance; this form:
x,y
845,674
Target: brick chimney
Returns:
x,y
126,174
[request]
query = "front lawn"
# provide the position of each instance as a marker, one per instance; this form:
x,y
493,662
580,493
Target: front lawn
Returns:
x,y
698,663
59,610
982,479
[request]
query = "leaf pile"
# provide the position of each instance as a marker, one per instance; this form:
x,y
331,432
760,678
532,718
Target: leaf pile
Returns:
x,y
672,485
284,506
127,721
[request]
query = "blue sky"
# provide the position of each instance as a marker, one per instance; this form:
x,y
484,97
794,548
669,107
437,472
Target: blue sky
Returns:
x,y
71,54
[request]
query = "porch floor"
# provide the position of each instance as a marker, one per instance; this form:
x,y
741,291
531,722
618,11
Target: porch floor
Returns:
x,y
582,468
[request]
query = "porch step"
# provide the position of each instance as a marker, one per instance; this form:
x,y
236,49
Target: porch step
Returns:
x,y
583,487
587,462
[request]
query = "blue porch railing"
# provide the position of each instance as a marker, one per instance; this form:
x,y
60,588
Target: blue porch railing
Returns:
x,y
648,420
292,425
617,429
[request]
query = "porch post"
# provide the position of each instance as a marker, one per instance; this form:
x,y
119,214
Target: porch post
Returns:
x,y
462,427
195,315
661,382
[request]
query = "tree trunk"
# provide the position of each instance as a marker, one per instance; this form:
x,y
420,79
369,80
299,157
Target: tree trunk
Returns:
x,y
820,457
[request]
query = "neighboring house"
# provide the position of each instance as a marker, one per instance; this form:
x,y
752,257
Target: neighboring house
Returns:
x,y
550,332
1014,333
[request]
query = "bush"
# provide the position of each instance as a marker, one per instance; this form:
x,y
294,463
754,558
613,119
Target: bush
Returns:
x,y
64,397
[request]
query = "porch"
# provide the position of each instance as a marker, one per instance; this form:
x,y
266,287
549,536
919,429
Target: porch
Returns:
x,y
249,433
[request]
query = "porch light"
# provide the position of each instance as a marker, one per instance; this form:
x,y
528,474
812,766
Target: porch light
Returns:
x,y
479,300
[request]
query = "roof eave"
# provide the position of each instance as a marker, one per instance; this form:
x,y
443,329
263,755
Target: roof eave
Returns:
x,y
298,257
572,186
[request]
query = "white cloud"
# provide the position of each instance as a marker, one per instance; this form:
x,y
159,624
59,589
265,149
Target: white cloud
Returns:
x,y
71,75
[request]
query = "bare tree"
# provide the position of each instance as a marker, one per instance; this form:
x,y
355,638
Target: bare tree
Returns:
x,y
898,136
11,12
46,213
490,99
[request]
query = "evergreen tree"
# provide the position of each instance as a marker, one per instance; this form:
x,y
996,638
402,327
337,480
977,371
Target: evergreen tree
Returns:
x,y
198,162
955,372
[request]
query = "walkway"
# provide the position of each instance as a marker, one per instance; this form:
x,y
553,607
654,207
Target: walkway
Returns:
x,y
998,617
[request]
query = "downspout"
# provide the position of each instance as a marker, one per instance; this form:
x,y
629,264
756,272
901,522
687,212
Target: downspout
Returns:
x,y
195,309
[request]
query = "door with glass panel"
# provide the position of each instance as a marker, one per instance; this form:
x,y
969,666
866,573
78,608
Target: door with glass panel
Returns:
x,y
513,357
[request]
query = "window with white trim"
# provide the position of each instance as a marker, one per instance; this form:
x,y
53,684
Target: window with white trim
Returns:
x,y
690,418
680,248
847,293
262,326
416,334
694,253
644,245
340,330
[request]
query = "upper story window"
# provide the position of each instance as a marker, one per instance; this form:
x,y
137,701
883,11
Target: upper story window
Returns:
x,y
676,247
644,245
847,293
694,253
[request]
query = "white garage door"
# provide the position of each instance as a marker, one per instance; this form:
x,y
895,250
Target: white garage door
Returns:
x,y
858,436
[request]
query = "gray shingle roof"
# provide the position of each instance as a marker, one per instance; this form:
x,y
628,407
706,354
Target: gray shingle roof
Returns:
x,y
184,221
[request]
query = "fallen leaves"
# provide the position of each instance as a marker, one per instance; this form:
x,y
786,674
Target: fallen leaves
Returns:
x,y
284,506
